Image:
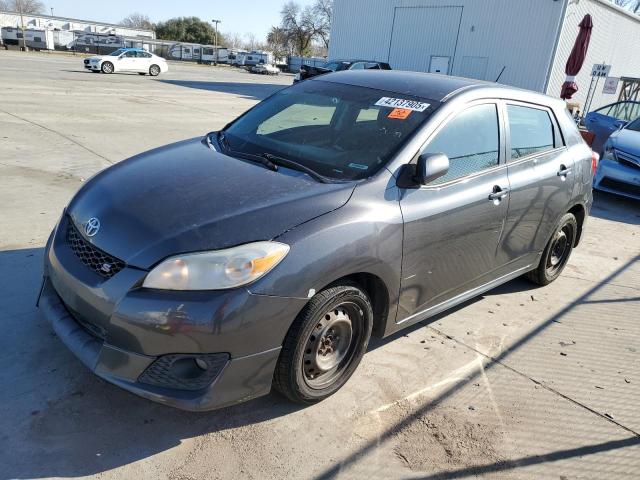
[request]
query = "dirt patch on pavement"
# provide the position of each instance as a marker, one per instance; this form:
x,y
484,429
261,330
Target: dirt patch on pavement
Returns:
x,y
438,441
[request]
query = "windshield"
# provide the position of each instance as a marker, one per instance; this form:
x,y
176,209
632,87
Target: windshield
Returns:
x,y
635,125
342,132
333,66
115,53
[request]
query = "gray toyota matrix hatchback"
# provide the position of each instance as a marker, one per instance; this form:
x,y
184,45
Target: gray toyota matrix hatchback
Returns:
x,y
354,204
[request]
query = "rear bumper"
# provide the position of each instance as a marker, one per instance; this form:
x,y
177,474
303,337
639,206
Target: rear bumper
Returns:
x,y
237,380
617,178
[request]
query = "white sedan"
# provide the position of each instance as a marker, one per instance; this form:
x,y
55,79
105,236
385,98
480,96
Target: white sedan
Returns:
x,y
127,60
265,69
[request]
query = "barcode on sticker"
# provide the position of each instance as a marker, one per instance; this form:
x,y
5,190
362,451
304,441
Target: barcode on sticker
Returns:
x,y
403,103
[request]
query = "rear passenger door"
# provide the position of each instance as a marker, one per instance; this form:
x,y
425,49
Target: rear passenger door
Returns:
x,y
541,174
452,226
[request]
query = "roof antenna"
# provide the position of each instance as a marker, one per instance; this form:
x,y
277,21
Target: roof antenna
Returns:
x,y
501,72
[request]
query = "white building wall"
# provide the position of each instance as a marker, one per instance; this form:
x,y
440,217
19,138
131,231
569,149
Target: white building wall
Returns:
x,y
519,35
10,19
615,40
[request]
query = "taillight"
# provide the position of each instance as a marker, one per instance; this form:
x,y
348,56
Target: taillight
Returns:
x,y
594,162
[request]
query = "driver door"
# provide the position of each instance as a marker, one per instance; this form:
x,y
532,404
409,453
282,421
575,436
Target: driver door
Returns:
x,y
452,226
127,61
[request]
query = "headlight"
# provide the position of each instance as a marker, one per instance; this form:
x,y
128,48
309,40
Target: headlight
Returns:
x,y
217,270
297,76
609,153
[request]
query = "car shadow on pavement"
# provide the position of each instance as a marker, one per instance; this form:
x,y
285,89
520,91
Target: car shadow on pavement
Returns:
x,y
615,208
253,91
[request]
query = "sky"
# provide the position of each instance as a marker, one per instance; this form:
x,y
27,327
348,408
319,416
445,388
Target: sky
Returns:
x,y
240,16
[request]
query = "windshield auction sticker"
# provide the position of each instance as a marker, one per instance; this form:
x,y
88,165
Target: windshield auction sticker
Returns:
x,y
403,104
400,113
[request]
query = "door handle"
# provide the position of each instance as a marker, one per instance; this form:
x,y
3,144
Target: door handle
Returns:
x,y
564,171
498,193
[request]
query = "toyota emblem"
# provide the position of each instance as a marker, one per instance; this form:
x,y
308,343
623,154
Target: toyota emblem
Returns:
x,y
92,227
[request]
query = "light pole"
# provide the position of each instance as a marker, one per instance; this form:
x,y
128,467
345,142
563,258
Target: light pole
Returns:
x,y
215,38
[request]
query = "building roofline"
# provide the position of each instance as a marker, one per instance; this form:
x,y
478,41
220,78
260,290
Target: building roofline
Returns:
x,y
91,22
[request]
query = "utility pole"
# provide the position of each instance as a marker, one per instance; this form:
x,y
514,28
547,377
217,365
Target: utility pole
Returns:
x,y
52,11
20,11
215,38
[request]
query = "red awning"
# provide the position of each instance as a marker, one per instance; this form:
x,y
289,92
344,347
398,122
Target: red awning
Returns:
x,y
576,59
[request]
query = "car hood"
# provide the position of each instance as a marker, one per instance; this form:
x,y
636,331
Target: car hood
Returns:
x,y
626,140
96,57
186,197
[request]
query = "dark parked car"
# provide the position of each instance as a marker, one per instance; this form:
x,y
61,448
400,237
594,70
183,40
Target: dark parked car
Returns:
x,y
354,204
307,71
606,120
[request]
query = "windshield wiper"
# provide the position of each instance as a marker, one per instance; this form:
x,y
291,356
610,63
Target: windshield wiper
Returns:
x,y
224,143
285,162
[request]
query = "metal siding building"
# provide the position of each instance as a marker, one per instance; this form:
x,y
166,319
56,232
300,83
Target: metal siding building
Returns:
x,y
527,40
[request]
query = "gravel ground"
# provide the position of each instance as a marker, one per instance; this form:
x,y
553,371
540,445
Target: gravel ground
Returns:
x,y
520,383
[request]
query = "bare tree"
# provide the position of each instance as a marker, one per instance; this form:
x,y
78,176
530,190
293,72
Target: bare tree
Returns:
x,y
24,6
137,20
299,25
3,6
322,14
234,40
251,41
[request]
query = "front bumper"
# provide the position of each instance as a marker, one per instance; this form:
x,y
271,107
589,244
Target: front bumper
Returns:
x,y
618,178
121,331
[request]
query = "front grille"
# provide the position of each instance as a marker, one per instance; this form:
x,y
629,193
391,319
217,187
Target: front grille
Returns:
x,y
621,187
181,371
628,159
100,262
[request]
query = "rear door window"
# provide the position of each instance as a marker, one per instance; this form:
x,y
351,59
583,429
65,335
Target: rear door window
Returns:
x,y
478,126
531,131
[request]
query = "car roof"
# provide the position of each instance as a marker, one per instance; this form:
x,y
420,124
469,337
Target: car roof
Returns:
x,y
433,86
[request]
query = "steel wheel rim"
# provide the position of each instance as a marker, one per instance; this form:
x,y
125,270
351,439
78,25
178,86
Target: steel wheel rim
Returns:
x,y
559,249
107,68
331,345
154,71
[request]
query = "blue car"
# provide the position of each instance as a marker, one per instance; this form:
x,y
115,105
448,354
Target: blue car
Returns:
x,y
619,169
606,120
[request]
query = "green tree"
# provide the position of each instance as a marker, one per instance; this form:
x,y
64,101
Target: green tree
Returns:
x,y
188,30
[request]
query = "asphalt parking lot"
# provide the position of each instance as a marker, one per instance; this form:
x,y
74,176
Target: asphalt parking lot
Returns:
x,y
521,383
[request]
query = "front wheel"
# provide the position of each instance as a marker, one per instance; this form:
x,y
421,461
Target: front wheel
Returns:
x,y
557,252
325,344
154,70
107,67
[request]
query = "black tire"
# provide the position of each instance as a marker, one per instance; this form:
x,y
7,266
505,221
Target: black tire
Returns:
x,y
142,73
304,349
154,70
107,67
557,252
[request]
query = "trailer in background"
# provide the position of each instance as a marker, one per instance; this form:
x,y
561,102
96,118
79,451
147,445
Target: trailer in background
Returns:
x,y
10,35
98,43
211,54
63,39
39,39
251,59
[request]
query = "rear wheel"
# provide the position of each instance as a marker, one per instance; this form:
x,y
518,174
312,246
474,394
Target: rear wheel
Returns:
x,y
557,252
107,67
154,70
325,344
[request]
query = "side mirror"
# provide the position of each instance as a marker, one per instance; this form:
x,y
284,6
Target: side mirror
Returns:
x,y
430,167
